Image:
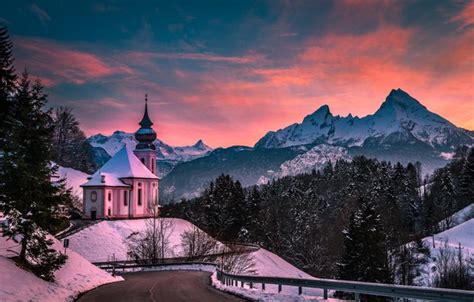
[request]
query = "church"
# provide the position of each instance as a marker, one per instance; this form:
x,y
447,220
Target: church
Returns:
x,y
126,186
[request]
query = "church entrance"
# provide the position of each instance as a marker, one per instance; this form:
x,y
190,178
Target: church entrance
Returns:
x,y
93,215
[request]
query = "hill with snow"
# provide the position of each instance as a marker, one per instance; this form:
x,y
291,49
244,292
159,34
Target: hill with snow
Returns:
x,y
74,179
76,276
105,240
167,156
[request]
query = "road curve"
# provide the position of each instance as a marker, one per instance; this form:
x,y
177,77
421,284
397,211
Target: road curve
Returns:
x,y
172,286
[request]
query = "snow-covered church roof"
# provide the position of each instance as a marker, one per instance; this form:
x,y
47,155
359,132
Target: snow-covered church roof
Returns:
x,y
124,164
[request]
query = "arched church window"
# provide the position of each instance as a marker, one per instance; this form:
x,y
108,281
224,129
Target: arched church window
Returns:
x,y
109,196
93,196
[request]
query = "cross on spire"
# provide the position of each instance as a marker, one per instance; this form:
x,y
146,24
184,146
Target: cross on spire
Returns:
x,y
146,122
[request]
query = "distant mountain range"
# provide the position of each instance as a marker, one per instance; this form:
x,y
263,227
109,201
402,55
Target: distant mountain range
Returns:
x,y
402,129
400,119
167,156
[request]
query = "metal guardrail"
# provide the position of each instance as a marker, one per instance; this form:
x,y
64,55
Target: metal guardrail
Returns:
x,y
133,267
358,288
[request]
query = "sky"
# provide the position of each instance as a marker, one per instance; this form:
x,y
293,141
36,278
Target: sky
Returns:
x,y
229,71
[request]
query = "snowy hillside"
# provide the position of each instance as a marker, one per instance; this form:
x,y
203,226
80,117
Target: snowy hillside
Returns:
x,y
113,143
316,158
462,233
400,118
101,241
74,179
76,276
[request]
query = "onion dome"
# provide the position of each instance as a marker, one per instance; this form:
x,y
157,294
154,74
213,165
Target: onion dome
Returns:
x,y
145,135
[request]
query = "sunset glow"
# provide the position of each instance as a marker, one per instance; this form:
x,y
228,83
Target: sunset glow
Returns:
x,y
228,72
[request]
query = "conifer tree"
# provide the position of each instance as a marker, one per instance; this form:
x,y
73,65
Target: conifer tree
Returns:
x,y
365,255
467,179
7,83
28,197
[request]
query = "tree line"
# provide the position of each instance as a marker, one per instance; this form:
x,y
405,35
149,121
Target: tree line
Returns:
x,y
32,136
357,220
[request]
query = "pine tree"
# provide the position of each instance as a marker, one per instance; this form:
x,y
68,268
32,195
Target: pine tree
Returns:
x,y
446,197
29,199
467,179
7,84
365,255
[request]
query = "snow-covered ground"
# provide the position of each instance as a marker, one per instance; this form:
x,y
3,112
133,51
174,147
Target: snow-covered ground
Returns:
x,y
105,240
269,294
462,233
74,179
76,276
316,158
460,216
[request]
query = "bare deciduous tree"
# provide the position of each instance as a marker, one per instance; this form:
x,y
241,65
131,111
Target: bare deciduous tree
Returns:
x,y
197,243
236,260
153,245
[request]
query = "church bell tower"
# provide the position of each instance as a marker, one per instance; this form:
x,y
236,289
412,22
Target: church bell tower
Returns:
x,y
145,149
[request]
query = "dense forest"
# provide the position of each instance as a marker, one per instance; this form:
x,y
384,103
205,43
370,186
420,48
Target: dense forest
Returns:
x,y
316,221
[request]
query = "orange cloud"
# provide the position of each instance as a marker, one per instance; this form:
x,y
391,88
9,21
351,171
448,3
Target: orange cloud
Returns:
x,y
58,63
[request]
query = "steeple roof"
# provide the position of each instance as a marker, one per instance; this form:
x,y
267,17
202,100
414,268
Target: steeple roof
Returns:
x,y
146,122
124,164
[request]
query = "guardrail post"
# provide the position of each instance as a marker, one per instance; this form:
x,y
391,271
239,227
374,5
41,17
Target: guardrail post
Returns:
x,y
251,284
279,288
325,294
300,290
241,283
263,286
357,297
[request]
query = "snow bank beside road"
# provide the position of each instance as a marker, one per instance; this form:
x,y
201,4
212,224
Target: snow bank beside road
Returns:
x,y
103,240
76,276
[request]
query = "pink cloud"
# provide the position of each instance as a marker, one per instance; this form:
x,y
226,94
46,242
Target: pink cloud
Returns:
x,y
58,63
139,57
466,16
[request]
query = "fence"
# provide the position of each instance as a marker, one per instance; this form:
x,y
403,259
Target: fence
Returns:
x,y
357,288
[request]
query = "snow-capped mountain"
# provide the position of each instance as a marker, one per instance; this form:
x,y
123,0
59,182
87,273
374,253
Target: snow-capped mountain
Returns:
x,y
167,156
316,158
113,143
401,118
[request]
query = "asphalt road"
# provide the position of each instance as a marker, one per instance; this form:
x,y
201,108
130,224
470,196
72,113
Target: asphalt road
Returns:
x,y
160,286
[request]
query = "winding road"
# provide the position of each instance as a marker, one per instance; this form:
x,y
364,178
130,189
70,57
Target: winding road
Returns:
x,y
160,286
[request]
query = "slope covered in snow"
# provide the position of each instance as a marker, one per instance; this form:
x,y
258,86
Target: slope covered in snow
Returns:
x,y
76,276
400,118
104,240
316,158
113,143
74,179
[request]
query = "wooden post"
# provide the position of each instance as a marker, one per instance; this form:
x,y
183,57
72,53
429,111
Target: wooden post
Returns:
x,y
300,290
241,283
251,284
357,297
263,286
279,288
325,294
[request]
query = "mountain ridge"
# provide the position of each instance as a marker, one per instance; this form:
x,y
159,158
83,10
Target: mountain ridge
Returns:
x,y
398,113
